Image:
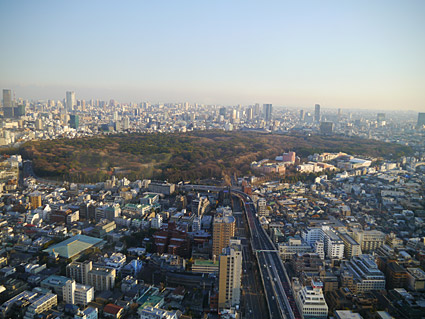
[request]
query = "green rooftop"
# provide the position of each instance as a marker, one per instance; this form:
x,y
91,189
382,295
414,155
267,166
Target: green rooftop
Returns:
x,y
203,262
74,246
149,196
152,301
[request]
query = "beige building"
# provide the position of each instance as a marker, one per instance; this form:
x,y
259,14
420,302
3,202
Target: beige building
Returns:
x,y
42,304
369,240
79,271
102,278
223,230
230,271
35,200
351,247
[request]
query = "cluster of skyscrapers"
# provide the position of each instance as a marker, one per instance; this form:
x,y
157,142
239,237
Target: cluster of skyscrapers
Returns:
x,y
10,109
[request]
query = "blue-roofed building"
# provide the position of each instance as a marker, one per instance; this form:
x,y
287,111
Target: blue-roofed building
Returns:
x,y
73,247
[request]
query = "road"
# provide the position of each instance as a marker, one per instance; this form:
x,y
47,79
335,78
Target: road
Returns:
x,y
279,295
253,302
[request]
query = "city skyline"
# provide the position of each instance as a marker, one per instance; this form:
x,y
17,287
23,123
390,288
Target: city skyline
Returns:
x,y
358,55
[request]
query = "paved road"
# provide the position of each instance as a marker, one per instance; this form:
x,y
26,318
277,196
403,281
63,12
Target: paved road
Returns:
x,y
253,303
280,299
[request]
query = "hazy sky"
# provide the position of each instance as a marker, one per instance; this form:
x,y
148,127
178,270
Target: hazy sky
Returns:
x,y
357,54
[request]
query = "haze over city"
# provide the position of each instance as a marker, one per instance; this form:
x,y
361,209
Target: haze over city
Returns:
x,y
343,55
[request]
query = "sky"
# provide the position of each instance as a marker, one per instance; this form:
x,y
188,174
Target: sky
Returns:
x,y
345,54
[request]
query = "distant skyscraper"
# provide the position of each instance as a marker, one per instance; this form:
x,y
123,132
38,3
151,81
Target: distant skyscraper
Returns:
x,y
317,113
380,117
8,109
74,121
19,110
222,111
267,111
7,98
421,119
249,113
230,271
256,109
326,128
301,115
339,114
71,102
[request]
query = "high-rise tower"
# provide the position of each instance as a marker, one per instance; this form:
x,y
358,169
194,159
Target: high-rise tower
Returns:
x,y
71,102
267,111
317,113
223,230
8,109
7,98
229,276
421,120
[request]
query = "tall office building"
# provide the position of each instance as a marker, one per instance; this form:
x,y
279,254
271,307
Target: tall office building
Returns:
x,y
222,111
301,115
267,111
71,102
326,128
223,230
380,117
8,109
229,276
7,98
256,109
421,119
20,110
74,121
249,113
317,113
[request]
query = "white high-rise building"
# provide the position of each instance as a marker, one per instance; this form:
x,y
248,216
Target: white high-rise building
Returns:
x,y
230,272
334,246
311,301
311,235
71,102
77,294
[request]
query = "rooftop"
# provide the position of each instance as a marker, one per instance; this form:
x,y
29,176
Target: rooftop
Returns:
x,y
73,246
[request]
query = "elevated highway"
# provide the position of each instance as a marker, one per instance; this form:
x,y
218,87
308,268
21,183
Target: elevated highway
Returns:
x,y
277,287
